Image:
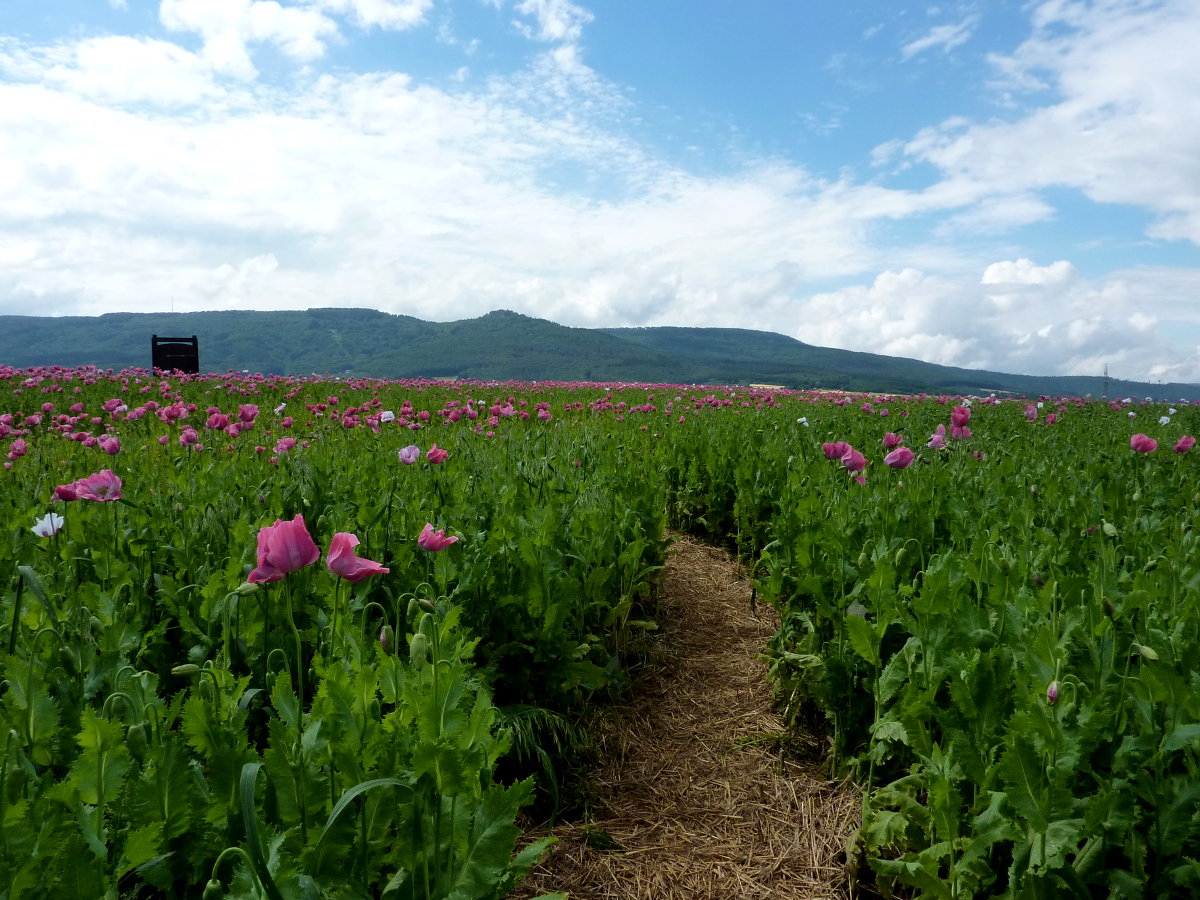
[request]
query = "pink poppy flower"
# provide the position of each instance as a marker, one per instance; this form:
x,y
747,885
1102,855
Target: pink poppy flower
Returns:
x,y
110,444
283,547
960,416
853,460
1185,443
436,455
936,441
410,454
102,486
1143,443
342,561
1031,413
434,541
835,450
900,458
960,432
891,440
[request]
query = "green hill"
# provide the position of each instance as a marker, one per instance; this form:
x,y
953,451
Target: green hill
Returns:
x,y
505,346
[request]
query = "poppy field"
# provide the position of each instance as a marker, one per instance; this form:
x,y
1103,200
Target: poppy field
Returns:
x,y
291,638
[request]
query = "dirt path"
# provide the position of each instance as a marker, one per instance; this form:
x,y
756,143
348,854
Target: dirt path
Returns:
x,y
694,799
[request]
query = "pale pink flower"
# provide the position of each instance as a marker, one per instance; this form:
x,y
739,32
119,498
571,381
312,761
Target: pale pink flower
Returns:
x,y
343,562
102,486
434,541
900,458
1142,443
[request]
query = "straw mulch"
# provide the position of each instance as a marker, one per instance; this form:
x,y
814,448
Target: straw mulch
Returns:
x,y
694,797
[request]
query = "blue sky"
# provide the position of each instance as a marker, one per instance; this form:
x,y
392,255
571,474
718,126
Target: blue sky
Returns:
x,y
1002,185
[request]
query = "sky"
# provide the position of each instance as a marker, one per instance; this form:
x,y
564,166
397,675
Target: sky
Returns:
x,y
1011,186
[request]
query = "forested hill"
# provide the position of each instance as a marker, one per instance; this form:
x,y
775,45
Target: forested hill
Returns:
x,y
505,346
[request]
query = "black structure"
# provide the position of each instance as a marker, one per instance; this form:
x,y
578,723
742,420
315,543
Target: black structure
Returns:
x,y
172,353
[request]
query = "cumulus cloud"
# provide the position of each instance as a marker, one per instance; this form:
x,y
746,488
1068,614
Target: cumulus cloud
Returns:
x,y
1017,317
227,27
1023,271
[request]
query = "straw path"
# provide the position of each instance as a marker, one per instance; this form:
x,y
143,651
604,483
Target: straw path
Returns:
x,y
694,798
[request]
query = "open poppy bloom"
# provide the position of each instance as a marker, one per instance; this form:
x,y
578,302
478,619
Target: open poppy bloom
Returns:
x,y
342,561
434,541
283,547
1142,443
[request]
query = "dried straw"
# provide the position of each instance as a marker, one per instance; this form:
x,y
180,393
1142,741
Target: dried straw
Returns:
x,y
694,797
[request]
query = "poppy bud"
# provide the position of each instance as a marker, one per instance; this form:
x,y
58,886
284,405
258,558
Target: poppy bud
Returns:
x,y
185,669
68,659
213,890
418,650
14,784
1052,693
387,638
135,741
1109,609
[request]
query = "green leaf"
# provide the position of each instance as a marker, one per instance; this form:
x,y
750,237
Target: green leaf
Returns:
x,y
1182,736
863,638
493,836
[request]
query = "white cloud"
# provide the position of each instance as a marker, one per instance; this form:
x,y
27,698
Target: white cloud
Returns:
x,y
228,26
395,15
948,37
1123,125
1023,271
1018,317
117,70
555,20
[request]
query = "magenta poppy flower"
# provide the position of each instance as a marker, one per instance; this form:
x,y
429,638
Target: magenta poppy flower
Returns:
x,y
835,450
900,458
283,547
1185,443
1031,413
960,416
891,440
342,561
66,492
410,454
936,441
102,486
960,432
434,541
436,455
110,444
1143,443
853,460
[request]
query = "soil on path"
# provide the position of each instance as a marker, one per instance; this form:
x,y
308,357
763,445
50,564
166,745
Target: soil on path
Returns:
x,y
694,798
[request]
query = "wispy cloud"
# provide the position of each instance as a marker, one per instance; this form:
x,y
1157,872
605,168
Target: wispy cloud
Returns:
x,y
947,37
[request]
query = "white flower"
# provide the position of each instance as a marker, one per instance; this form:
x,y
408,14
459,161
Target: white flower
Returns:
x,y
1171,411
803,420
1164,420
280,408
387,416
48,525
1132,414
1039,404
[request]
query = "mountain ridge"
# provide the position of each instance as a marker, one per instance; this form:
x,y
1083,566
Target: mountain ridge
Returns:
x,y
504,345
